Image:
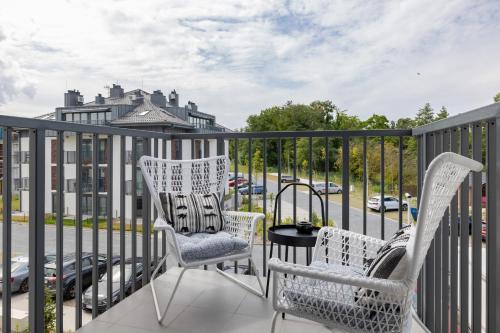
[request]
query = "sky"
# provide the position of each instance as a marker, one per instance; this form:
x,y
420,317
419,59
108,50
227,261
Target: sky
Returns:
x,y
236,58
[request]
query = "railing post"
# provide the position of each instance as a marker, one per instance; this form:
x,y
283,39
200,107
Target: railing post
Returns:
x,y
59,231
493,233
7,229
36,230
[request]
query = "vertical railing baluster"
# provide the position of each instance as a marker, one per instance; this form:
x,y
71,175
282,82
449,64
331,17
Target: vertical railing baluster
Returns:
x,y
429,263
437,252
279,189
294,147
493,231
79,233
365,185
95,223
163,232
146,220
7,229
454,245
345,183
155,214
445,253
420,171
327,180
264,208
400,184
109,221
464,238
477,242
133,166
36,229
249,162
123,152
309,166
236,162
382,187
59,229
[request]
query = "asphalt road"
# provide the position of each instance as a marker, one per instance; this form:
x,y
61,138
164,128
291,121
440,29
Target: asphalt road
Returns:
x,y
373,220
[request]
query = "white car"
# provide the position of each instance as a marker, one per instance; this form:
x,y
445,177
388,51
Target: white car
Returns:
x,y
390,203
332,188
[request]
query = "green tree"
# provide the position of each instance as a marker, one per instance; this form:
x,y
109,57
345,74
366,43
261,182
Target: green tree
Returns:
x,y
442,114
424,115
258,164
497,98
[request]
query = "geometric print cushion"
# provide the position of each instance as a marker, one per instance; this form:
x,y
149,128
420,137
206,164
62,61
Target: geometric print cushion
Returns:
x,y
190,213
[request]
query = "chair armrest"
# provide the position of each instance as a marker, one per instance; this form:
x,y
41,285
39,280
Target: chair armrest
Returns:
x,y
396,287
345,247
340,299
241,224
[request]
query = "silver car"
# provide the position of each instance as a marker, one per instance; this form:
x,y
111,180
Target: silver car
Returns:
x,y
19,274
19,271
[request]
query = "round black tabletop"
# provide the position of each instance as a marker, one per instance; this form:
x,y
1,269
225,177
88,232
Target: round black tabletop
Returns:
x,y
287,235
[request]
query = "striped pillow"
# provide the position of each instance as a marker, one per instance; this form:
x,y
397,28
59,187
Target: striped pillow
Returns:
x,y
192,212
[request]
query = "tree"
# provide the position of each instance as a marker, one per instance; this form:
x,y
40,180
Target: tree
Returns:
x,y
258,164
376,122
442,114
424,115
497,98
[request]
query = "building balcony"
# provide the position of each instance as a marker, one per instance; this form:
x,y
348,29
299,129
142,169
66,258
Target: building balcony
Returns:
x,y
456,289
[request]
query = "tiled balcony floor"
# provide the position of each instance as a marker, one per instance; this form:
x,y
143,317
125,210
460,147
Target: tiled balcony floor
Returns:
x,y
205,302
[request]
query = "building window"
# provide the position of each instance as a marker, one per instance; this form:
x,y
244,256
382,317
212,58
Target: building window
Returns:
x,y
83,118
70,157
76,117
70,185
87,151
103,205
25,157
93,118
69,117
87,204
25,183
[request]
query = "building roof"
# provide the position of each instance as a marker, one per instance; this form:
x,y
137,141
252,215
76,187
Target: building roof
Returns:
x,y
149,113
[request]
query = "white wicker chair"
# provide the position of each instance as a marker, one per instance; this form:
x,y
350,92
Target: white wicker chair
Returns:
x,y
207,175
347,299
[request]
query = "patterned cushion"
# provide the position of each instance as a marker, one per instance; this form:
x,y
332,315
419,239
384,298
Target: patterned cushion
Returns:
x,y
192,212
200,246
390,263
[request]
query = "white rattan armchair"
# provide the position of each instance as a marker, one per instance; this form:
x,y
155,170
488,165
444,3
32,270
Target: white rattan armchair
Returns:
x,y
207,175
342,296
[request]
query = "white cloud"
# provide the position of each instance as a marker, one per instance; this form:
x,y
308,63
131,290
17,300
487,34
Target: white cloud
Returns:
x,y
235,58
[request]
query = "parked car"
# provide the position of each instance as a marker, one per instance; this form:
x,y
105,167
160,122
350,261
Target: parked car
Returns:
x,y
69,272
243,185
238,180
390,203
332,188
102,298
256,189
484,229
19,272
289,179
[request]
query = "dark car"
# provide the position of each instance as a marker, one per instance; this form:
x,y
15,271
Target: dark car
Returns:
x,y
69,272
102,298
256,189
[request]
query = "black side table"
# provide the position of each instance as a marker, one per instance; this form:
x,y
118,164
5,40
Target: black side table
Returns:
x,y
287,235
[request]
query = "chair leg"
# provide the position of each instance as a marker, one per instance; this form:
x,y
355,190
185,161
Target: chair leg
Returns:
x,y
155,297
260,293
275,318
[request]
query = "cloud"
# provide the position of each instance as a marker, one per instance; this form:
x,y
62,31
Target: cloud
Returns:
x,y
235,58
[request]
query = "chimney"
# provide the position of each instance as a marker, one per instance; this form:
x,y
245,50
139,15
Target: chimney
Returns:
x,y
173,98
99,99
137,98
192,106
73,98
158,99
116,91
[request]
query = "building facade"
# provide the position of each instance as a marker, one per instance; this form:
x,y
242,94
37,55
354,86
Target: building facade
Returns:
x,y
135,109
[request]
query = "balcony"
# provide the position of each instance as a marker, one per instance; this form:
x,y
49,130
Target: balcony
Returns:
x,y
461,269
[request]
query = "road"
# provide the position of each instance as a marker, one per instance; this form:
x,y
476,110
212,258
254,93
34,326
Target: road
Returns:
x,y
373,220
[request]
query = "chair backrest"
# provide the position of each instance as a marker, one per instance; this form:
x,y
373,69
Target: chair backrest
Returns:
x,y
205,175
442,180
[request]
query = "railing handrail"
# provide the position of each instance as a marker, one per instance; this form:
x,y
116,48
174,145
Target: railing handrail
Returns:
x,y
296,134
66,126
473,116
